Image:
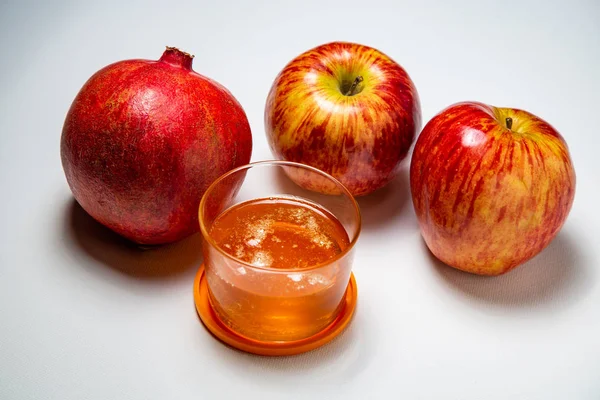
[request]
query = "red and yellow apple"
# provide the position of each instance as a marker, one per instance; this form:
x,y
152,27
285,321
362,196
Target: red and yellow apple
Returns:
x,y
346,109
491,187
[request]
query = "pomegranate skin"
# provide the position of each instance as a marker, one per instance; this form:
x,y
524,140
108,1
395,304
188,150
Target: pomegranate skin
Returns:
x,y
144,139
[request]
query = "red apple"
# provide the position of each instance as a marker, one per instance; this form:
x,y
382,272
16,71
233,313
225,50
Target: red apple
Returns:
x,y
144,139
491,186
346,109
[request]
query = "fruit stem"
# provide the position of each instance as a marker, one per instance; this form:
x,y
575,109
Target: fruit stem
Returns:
x,y
177,58
509,122
354,85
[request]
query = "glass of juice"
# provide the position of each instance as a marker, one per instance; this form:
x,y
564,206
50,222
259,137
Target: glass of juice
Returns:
x,y
277,257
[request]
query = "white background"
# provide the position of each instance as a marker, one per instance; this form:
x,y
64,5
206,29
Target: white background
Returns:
x,y
84,317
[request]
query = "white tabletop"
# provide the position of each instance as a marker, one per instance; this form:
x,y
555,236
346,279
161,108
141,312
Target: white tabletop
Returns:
x,y
83,317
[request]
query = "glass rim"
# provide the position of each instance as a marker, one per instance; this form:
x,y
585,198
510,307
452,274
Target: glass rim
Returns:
x,y
204,232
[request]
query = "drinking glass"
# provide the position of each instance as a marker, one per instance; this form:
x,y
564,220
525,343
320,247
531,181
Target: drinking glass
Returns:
x,y
285,303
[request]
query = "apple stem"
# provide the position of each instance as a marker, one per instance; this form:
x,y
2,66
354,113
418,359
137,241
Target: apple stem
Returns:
x,y
354,85
509,122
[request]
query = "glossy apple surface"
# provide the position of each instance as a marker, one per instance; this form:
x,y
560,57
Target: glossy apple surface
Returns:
x,y
491,187
346,109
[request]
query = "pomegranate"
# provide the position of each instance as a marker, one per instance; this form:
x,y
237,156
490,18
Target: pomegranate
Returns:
x,y
144,139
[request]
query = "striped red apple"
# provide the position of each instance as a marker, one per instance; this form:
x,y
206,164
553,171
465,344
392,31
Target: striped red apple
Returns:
x,y
346,109
491,187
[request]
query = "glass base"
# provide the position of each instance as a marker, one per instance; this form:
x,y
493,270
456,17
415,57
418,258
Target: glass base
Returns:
x,y
280,348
